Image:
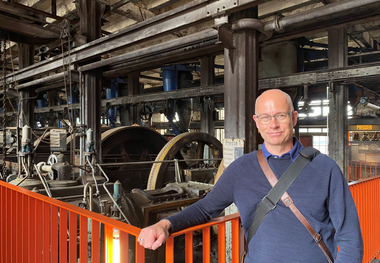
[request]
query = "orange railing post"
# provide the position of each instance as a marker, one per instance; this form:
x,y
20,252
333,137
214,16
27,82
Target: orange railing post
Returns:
x,y
221,243
220,222
206,235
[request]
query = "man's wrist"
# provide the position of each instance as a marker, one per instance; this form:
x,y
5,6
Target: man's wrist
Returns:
x,y
166,224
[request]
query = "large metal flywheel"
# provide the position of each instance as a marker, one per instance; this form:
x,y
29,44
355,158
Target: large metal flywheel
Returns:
x,y
130,144
186,148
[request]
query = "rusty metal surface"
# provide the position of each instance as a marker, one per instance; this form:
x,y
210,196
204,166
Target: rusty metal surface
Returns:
x,y
241,78
337,121
131,144
189,14
149,204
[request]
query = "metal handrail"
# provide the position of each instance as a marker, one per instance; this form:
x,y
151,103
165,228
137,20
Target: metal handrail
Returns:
x,y
33,225
163,161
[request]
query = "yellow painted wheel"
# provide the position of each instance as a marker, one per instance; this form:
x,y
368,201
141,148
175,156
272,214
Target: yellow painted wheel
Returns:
x,y
177,149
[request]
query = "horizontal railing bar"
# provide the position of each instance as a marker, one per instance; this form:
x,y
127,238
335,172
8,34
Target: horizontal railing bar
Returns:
x,y
213,222
363,180
163,161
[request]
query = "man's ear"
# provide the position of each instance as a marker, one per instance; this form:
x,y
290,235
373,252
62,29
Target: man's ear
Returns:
x,y
294,117
257,123
256,120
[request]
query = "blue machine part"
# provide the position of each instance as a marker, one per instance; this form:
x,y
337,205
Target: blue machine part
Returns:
x,y
117,191
73,97
169,78
175,129
112,92
41,104
59,102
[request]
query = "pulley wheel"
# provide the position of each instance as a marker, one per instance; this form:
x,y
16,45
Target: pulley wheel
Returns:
x,y
178,148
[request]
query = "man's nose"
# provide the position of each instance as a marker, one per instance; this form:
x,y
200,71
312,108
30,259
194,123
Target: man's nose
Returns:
x,y
273,122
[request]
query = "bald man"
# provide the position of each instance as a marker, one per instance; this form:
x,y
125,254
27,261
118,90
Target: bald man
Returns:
x,y
320,192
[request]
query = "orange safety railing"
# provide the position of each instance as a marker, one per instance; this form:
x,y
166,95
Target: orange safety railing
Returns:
x,y
205,228
37,229
362,170
366,194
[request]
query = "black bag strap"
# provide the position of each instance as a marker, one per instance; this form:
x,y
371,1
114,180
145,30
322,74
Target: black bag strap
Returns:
x,y
270,201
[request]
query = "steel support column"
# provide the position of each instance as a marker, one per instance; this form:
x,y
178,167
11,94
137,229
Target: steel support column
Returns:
x,y
26,58
90,13
123,108
134,89
338,96
241,83
207,110
241,88
90,107
207,78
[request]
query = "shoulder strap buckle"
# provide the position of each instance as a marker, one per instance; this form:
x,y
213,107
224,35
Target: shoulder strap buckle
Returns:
x,y
309,153
317,237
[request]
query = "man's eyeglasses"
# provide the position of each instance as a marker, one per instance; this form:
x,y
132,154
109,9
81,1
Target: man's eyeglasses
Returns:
x,y
280,117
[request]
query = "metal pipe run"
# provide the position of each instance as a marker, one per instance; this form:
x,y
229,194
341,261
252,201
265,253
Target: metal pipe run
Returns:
x,y
152,162
318,15
109,194
56,77
151,50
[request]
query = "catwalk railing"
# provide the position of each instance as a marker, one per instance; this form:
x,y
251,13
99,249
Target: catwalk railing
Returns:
x,y
38,229
362,170
366,194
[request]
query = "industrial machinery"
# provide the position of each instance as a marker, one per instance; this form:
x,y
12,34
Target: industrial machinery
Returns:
x,y
188,151
180,174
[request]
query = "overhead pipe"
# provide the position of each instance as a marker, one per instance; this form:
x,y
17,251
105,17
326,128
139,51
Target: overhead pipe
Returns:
x,y
170,45
48,79
340,9
318,15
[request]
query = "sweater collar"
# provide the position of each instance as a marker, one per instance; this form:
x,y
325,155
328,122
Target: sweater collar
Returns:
x,y
293,153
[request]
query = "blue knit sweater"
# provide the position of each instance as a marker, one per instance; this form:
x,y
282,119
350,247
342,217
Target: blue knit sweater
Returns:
x,y
320,192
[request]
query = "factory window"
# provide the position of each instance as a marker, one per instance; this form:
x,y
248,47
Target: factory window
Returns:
x,y
219,134
315,113
314,130
317,108
321,143
220,113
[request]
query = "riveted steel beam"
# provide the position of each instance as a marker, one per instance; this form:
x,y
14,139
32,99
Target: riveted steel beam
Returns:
x,y
187,15
367,72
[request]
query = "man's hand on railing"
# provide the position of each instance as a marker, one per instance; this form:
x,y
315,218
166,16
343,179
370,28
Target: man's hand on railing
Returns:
x,y
152,237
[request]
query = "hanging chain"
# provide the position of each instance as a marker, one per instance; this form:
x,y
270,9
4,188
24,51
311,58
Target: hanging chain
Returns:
x,y
3,54
65,34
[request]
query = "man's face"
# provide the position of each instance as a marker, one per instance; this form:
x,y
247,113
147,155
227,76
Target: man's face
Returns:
x,y
275,133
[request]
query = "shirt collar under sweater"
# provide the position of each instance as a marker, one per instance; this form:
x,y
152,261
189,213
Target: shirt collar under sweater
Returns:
x,y
293,152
